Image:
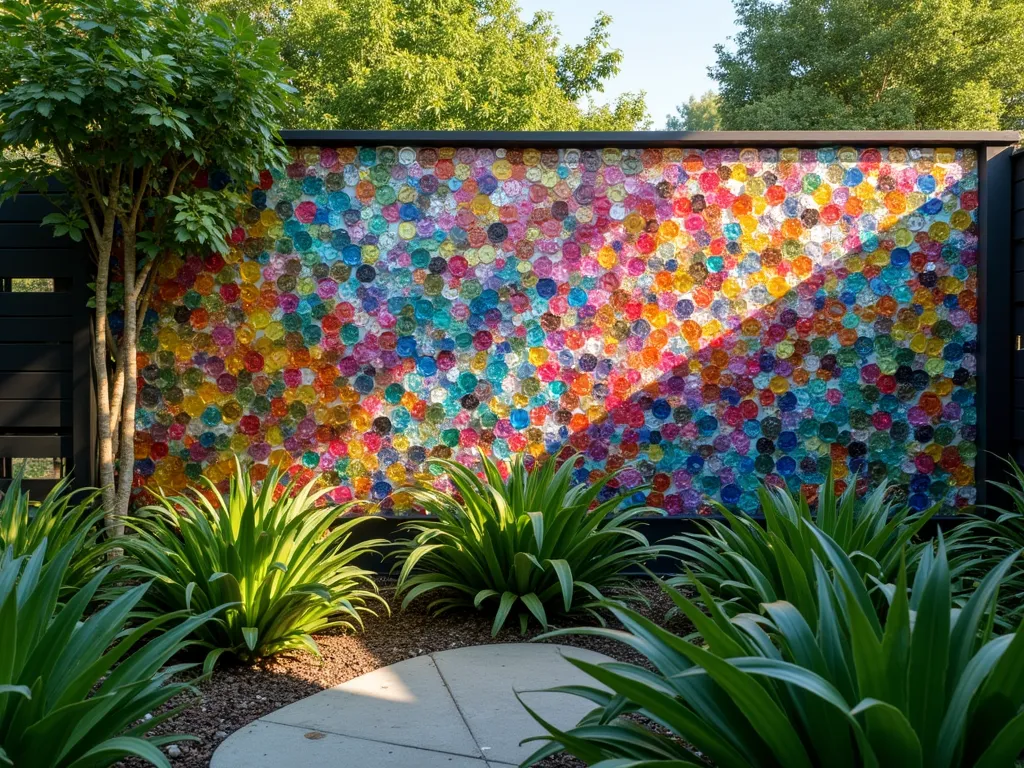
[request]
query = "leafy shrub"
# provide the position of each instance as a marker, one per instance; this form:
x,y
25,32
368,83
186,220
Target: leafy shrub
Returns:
x,y
932,686
269,551
61,517
74,690
985,539
530,543
747,562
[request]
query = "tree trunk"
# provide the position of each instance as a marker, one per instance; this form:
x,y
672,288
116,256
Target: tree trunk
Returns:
x,y
103,416
128,357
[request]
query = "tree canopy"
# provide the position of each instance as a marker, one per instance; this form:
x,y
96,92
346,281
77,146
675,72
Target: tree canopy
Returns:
x,y
155,119
873,64
441,65
699,113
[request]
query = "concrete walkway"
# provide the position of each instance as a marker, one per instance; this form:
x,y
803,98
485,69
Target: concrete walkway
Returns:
x,y
453,709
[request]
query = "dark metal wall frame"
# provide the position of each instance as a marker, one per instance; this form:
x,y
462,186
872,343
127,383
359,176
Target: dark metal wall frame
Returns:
x,y
995,351
640,139
995,397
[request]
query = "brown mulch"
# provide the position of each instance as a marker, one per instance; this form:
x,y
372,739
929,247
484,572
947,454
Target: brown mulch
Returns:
x,y
236,695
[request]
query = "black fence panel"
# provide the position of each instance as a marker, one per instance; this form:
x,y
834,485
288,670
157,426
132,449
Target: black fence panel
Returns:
x,y
45,359
1015,318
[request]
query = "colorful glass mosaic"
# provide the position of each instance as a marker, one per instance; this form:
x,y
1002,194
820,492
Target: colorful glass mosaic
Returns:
x,y
708,319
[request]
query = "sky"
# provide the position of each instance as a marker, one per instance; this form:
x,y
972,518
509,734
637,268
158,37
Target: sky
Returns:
x,y
667,45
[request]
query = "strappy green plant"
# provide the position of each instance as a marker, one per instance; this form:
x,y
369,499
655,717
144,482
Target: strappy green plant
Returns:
x,y
746,561
985,538
61,517
269,551
536,544
75,689
931,686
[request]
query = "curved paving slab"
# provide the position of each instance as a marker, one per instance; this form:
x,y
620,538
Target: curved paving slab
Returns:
x,y
452,709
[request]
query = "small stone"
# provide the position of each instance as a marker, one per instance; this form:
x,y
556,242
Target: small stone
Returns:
x,y
173,751
221,734
314,735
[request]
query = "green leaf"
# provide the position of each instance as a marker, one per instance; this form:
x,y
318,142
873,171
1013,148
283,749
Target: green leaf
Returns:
x,y
482,595
929,656
251,635
123,746
80,680
1006,748
564,572
757,706
508,599
893,740
536,607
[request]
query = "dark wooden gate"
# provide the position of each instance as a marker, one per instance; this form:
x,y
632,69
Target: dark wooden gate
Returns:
x,y
1016,320
45,360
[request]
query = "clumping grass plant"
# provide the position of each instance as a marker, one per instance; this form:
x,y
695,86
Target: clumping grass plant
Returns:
x,y
284,564
62,516
534,544
747,561
933,686
75,688
986,538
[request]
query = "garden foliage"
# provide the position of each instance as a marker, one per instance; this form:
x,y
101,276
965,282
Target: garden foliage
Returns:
x,y
747,562
441,65
930,686
75,686
62,517
153,119
536,543
987,537
283,564
844,65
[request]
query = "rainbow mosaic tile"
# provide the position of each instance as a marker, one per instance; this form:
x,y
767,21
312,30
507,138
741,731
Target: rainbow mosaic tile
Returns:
x,y
708,319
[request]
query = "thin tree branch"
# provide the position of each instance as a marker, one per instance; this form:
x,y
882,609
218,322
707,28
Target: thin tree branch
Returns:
x,y
176,175
83,196
142,283
116,398
139,197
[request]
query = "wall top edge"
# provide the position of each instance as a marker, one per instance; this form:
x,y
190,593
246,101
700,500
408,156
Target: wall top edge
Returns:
x,y
652,138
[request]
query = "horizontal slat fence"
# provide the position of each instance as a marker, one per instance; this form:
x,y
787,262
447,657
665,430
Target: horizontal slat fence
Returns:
x,y
45,362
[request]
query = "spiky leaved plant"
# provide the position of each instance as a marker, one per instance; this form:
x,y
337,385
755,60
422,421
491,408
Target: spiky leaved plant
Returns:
x,y
75,687
537,543
285,564
748,561
931,686
987,537
60,517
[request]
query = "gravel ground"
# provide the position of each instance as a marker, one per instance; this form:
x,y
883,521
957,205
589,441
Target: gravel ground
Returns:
x,y
236,695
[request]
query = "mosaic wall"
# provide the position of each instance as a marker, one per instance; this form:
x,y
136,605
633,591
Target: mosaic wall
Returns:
x,y
707,319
